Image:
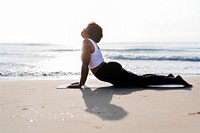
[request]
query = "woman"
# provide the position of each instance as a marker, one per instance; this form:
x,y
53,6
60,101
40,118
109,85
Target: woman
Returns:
x,y
113,72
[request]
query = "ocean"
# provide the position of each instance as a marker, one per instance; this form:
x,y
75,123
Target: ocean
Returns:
x,y
48,61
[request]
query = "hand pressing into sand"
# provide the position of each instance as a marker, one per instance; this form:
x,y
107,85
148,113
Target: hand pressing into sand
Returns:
x,y
74,85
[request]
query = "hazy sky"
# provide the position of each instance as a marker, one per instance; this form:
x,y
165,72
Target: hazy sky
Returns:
x,y
61,21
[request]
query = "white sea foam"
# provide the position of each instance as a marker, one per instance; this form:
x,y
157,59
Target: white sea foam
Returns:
x,y
53,61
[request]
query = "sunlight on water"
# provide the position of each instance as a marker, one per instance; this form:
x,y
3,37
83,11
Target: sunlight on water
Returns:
x,y
67,62
33,61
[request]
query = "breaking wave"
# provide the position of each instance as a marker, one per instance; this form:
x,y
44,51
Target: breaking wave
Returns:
x,y
159,58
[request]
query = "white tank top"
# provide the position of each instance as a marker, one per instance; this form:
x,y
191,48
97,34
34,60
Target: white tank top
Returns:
x,y
96,57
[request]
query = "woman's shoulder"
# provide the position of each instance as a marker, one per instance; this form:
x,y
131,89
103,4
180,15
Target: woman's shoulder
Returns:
x,y
87,41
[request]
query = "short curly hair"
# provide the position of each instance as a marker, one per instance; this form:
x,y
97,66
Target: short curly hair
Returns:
x,y
95,32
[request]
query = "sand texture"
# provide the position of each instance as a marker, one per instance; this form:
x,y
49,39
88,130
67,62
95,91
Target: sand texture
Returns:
x,y
36,106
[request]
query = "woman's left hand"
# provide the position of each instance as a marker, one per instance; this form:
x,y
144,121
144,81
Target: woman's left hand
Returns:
x,y
74,85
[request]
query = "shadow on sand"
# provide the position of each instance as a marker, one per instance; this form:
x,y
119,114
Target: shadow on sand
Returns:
x,y
98,101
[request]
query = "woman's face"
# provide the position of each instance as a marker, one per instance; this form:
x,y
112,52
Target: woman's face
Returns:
x,y
84,33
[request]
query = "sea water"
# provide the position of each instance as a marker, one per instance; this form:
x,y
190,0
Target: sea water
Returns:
x,y
51,61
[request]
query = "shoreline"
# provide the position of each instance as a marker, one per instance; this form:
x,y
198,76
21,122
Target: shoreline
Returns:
x,y
37,106
71,77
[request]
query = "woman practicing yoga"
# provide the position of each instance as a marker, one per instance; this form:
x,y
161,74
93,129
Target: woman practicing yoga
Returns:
x,y
113,72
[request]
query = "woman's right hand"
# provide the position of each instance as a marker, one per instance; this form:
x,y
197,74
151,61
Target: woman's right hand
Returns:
x,y
74,85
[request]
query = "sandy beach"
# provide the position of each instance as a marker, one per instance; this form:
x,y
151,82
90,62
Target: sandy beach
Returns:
x,y
36,106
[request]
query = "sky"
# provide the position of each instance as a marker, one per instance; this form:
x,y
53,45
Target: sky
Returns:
x,y
61,21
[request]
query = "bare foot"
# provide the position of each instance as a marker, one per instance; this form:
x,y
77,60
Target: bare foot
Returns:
x,y
182,81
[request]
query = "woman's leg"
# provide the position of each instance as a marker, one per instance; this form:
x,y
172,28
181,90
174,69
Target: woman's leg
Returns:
x,y
113,73
158,80
146,75
121,77
126,78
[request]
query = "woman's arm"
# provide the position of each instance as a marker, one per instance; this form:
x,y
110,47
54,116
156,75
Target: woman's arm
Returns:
x,y
86,55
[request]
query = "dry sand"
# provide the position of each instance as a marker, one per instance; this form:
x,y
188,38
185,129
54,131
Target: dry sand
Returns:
x,y
38,107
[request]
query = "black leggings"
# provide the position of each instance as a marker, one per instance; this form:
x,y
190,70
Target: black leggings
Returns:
x,y
113,73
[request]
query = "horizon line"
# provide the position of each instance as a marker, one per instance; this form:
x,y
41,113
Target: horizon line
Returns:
x,y
122,42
